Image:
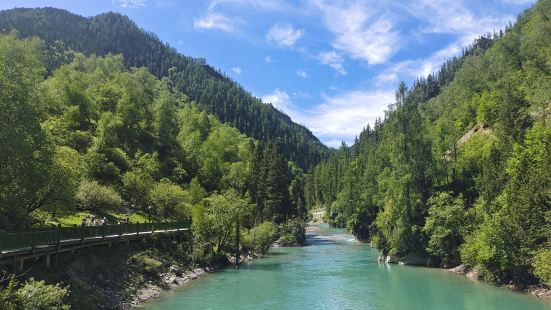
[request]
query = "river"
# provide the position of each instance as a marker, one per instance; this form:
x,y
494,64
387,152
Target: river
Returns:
x,y
337,272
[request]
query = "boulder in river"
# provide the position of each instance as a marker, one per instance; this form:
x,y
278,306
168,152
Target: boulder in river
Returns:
x,y
415,258
392,259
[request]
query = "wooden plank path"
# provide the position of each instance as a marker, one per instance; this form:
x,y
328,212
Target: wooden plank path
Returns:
x,y
16,247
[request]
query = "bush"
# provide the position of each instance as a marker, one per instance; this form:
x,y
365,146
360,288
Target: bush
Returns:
x,y
33,295
292,232
92,196
542,266
259,238
145,263
37,295
170,199
443,226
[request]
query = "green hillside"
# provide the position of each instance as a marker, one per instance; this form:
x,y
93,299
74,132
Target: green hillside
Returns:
x,y
459,169
210,89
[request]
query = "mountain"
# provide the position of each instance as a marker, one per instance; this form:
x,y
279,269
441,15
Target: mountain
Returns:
x,y
459,169
212,90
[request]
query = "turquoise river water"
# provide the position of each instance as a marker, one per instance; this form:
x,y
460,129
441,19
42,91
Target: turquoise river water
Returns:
x,y
336,272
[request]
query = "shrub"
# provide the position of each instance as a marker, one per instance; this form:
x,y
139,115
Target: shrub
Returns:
x,y
33,295
542,266
259,238
37,295
170,199
92,196
292,232
443,226
145,263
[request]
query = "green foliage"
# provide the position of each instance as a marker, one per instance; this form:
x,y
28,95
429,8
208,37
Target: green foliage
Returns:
x,y
542,266
145,262
33,295
26,158
9,299
214,92
215,223
37,295
444,224
260,237
477,130
170,200
292,233
92,196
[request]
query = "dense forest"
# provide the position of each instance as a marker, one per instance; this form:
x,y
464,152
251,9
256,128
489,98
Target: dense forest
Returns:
x,y
459,168
100,118
212,90
93,138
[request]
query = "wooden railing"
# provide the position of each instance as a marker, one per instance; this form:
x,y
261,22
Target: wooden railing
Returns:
x,y
10,241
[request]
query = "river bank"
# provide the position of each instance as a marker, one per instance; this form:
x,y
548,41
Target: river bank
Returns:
x,y
420,260
539,291
335,271
172,278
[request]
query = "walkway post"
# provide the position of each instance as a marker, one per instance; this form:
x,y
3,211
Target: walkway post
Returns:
x,y
58,246
82,233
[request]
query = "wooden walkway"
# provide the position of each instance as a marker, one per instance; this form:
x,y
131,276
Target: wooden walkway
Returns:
x,y
17,247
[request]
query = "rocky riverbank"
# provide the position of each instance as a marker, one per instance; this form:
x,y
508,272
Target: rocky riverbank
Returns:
x,y
167,281
173,278
535,290
419,259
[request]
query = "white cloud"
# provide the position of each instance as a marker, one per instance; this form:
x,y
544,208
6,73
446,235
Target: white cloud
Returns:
x,y
452,17
284,34
237,70
280,100
336,118
302,73
343,116
268,59
130,4
360,32
410,69
333,60
446,17
215,21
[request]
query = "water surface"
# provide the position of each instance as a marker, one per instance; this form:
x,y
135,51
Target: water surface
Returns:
x,y
336,272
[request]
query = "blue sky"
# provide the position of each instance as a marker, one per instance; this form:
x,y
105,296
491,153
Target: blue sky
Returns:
x,y
333,66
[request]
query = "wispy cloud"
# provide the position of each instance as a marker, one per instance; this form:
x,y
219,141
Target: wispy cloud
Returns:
x,y
284,34
452,17
302,73
441,17
337,118
237,70
216,21
359,31
280,100
333,60
397,40
130,4
343,116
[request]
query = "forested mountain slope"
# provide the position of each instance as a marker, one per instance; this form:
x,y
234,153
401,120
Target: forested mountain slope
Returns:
x,y
459,169
213,91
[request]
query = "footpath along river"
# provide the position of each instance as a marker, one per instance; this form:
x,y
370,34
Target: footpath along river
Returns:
x,y
334,271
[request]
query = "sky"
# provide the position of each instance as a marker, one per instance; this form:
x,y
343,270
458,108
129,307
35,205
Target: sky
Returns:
x,y
332,66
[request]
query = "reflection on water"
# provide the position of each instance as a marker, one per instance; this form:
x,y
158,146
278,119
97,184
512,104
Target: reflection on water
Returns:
x,y
337,272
